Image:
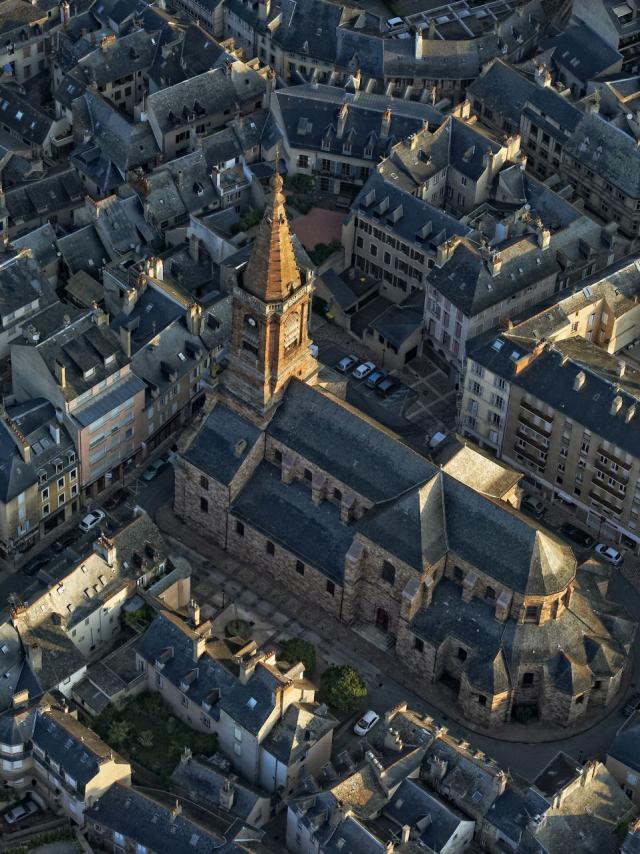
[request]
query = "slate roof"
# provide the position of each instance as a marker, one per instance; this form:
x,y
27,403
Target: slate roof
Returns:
x,y
302,726
309,115
607,150
411,803
127,54
44,197
286,515
626,745
205,94
464,279
551,376
339,440
202,779
582,52
149,823
411,218
22,118
311,23
215,450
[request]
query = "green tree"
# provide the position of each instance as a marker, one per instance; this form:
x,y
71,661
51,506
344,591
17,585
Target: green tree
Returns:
x,y
118,732
297,649
343,688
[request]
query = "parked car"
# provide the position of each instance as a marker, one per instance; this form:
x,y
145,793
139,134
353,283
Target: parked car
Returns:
x,y
375,378
22,810
577,535
609,554
533,506
346,364
67,539
118,498
632,704
386,387
92,519
363,370
33,566
153,470
366,723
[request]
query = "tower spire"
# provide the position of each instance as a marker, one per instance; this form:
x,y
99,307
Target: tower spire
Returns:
x,y
272,271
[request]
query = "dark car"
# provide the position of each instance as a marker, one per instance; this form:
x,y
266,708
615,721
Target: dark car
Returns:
x,y
33,566
64,541
386,387
118,498
577,535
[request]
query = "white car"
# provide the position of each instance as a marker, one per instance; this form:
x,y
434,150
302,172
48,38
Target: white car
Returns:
x,y
92,519
363,370
609,554
366,723
26,808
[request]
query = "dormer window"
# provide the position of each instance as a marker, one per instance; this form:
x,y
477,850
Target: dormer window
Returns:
x,y
42,476
88,373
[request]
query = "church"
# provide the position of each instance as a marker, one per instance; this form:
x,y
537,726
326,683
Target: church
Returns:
x,y
431,560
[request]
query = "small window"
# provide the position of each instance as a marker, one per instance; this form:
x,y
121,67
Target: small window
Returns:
x,y
277,456
531,614
418,644
271,549
527,679
462,654
240,529
388,572
458,573
299,567
331,588
204,482
579,699
204,505
482,700
308,475
337,494
490,594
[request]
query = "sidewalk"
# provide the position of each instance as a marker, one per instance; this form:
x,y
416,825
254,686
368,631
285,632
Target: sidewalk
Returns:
x,y
338,644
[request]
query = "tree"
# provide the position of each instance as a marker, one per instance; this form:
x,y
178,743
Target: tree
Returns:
x,y
297,649
118,732
343,688
146,738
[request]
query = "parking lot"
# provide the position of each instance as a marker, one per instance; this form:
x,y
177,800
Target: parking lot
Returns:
x,y
423,403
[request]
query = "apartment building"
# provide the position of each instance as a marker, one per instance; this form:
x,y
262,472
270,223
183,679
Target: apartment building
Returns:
x,y
550,397
44,748
221,686
84,373
23,35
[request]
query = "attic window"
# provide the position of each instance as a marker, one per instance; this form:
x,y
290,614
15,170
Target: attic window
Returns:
x,y
19,115
497,345
252,702
514,356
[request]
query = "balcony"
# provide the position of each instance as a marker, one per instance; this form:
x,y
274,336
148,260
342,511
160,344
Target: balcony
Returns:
x,y
528,456
621,477
522,418
538,412
605,501
610,490
614,459
530,441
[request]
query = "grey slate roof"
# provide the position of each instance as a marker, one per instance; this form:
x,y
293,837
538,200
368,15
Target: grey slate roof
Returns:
x,y
341,441
626,745
22,118
215,450
608,151
203,780
411,803
150,824
286,515
582,52
44,197
129,53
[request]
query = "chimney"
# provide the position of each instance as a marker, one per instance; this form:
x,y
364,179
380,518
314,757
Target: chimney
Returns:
x,y
194,318
34,657
125,340
194,247
193,611
494,263
386,124
419,43
106,548
579,380
445,250
622,367
542,76
21,698
343,112
631,413
406,833
176,810
199,647
227,795
544,236
61,374
64,13
19,438
54,429
616,405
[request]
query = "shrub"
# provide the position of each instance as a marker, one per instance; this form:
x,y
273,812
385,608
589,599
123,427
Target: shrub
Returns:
x,y
118,732
297,649
343,688
146,738
322,251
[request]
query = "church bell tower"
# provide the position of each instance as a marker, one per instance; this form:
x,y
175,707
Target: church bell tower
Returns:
x,y
271,311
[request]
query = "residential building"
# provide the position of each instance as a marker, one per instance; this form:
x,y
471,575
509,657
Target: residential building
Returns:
x,y
525,397
580,55
617,24
83,371
257,708
623,758
46,749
